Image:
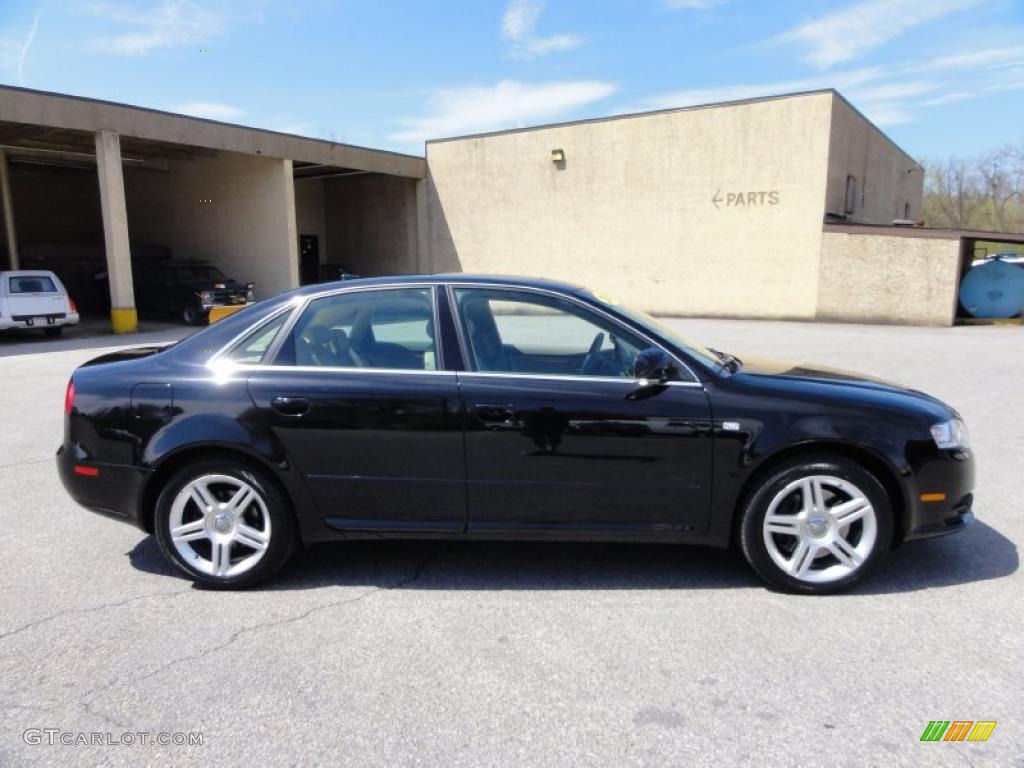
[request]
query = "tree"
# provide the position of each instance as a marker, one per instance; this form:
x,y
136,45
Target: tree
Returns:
x,y
983,192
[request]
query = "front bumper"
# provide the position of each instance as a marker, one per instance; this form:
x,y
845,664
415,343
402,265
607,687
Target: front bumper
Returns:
x,y
945,474
108,489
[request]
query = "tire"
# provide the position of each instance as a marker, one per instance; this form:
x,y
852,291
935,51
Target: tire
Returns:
x,y
54,331
803,550
191,314
257,538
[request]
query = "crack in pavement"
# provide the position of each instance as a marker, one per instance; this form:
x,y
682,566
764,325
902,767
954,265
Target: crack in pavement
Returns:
x,y
415,576
26,462
92,609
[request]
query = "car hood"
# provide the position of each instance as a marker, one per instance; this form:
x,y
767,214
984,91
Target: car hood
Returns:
x,y
770,366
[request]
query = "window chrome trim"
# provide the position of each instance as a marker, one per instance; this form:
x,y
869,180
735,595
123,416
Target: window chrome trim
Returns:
x,y
299,305
582,377
457,319
239,367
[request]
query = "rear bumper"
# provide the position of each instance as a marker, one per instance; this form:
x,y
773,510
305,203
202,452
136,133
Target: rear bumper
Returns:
x,y
107,489
8,323
947,474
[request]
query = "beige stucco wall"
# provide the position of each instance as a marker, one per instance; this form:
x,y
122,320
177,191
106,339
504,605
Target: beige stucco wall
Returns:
x,y
371,224
888,179
248,228
632,215
888,279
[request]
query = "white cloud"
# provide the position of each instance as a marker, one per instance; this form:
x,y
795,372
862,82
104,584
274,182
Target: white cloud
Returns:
x,y
948,98
169,24
518,29
208,109
695,96
695,5
843,35
508,104
992,58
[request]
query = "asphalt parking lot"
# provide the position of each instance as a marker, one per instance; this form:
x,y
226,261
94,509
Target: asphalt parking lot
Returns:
x,y
519,654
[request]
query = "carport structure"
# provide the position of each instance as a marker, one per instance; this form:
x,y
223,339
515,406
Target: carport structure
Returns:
x,y
90,186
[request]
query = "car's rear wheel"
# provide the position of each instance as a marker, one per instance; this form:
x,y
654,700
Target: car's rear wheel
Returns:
x,y
816,525
224,523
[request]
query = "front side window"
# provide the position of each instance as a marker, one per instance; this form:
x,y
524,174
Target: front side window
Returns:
x,y
32,284
531,333
387,328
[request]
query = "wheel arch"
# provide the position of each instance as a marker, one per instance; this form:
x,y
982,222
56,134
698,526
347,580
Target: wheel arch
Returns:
x,y
882,470
172,462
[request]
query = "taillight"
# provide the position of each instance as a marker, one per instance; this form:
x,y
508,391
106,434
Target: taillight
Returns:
x,y
69,397
74,307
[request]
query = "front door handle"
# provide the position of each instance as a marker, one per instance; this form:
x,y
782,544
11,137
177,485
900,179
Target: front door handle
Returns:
x,y
290,406
495,414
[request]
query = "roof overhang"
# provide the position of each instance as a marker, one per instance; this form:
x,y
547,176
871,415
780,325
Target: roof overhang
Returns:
x,y
80,115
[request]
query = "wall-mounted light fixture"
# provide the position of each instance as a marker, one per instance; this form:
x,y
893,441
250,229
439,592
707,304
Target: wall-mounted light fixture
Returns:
x,y
557,156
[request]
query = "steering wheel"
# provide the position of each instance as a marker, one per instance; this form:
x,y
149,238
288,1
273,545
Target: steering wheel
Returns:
x,y
593,358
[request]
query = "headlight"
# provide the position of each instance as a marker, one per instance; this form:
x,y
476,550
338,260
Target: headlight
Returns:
x,y
206,297
950,434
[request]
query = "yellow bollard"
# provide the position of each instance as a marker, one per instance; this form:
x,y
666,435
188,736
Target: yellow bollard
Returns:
x,y
124,320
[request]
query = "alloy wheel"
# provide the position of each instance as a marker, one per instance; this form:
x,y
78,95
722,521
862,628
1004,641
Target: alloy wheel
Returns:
x,y
220,525
820,529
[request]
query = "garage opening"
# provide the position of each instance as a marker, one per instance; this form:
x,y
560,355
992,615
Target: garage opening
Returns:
x,y
351,222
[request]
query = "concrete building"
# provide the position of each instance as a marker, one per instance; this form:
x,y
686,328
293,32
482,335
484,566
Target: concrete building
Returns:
x,y
714,210
777,208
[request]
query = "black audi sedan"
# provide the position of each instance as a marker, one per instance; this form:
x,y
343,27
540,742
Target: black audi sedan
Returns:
x,y
474,407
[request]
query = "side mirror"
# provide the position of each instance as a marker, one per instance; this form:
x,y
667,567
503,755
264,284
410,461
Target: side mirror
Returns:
x,y
654,364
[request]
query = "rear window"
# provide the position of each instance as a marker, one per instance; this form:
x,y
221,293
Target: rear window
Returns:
x,y
32,284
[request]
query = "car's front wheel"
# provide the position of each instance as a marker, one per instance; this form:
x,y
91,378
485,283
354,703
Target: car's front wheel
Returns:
x,y
816,525
224,523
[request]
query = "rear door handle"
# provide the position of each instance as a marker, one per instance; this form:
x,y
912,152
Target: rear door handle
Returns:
x,y
290,406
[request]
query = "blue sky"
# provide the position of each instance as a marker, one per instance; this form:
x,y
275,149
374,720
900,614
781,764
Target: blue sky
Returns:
x,y
941,77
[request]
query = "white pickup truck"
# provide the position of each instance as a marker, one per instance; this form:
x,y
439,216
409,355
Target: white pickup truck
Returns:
x,y
35,299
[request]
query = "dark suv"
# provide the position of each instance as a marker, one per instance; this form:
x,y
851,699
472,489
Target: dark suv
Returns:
x,y
187,289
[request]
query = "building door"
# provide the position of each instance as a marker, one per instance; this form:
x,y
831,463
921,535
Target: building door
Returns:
x,y
309,259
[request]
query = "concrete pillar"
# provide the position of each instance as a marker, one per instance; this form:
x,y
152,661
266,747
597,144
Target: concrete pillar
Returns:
x,y
123,317
8,212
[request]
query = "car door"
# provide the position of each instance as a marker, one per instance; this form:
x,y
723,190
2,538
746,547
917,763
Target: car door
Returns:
x,y
560,437
356,397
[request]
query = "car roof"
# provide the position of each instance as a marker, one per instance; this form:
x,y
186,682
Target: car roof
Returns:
x,y
28,273
512,281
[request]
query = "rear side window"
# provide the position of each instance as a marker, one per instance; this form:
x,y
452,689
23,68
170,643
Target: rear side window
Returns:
x,y
252,349
32,284
387,328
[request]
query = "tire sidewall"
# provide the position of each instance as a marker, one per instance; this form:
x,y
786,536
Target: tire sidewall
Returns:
x,y
282,523
751,532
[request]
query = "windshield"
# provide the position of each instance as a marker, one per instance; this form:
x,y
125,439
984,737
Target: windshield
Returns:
x,y
701,353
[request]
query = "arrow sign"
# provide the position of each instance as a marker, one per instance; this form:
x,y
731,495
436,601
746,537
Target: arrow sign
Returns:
x,y
717,198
